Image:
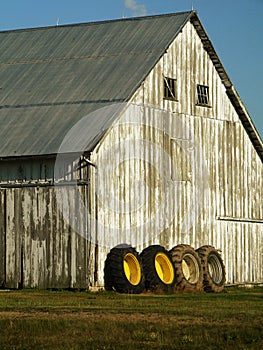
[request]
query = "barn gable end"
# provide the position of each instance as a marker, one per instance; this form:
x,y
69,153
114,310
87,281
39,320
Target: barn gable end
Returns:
x,y
233,215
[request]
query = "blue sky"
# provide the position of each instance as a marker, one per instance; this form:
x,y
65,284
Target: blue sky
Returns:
x,y
235,28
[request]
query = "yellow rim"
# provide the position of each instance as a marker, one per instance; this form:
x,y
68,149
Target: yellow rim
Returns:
x,y
132,269
164,268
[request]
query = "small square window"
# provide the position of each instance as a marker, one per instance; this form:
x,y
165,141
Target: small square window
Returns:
x,y
202,95
170,88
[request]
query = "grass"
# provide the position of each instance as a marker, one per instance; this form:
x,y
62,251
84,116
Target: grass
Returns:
x,y
107,320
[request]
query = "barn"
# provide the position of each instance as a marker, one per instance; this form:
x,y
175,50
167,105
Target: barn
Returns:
x,y
122,132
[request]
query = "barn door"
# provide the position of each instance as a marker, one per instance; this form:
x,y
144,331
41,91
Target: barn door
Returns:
x,y
2,237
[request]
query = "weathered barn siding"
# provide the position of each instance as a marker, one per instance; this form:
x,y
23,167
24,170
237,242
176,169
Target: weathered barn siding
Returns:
x,y
41,248
2,237
209,200
188,63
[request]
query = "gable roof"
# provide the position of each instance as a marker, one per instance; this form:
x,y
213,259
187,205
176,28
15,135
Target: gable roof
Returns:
x,y
52,77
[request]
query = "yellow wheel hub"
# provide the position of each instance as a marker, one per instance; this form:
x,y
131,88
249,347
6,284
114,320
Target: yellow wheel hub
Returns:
x,y
132,269
164,268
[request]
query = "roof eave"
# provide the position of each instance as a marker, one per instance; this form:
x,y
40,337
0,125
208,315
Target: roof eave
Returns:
x,y
246,120
230,89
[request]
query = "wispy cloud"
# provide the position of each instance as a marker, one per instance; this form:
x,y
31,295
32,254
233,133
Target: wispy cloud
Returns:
x,y
137,10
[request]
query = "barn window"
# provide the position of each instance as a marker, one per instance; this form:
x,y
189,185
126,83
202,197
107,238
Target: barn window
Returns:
x,y
170,88
202,95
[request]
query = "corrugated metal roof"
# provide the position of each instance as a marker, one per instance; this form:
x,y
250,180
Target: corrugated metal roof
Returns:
x,y
51,77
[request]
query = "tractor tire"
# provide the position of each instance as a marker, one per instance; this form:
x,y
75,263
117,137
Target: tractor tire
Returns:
x,y
213,269
108,280
158,269
188,269
123,271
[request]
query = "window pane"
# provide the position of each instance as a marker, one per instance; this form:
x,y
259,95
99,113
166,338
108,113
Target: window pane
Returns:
x,y
170,88
202,95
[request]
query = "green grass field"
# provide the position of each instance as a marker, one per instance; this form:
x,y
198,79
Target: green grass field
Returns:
x,y
107,320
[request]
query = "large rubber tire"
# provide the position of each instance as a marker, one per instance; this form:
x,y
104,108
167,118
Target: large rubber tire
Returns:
x,y
108,281
123,271
158,269
188,269
213,269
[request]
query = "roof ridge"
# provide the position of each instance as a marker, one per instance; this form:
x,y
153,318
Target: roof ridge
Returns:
x,y
96,22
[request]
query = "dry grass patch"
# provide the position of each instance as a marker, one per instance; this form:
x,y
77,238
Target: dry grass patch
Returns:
x,y
80,320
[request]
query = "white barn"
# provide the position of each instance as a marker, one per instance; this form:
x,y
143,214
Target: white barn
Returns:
x,y
122,132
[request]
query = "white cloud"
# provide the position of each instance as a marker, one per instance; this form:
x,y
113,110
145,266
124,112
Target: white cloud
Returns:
x,y
137,10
